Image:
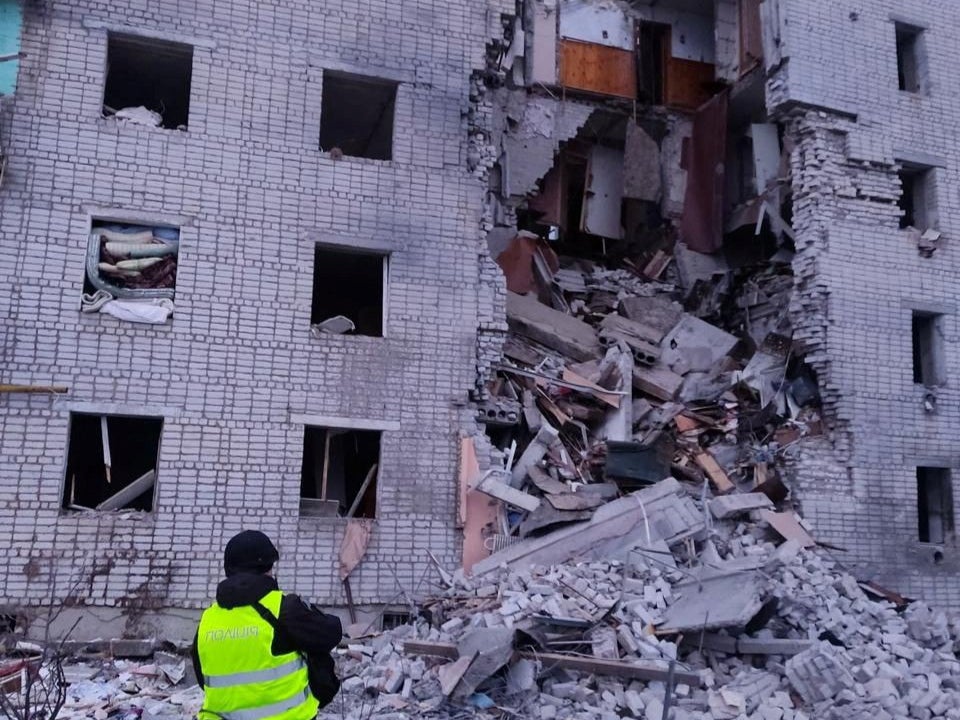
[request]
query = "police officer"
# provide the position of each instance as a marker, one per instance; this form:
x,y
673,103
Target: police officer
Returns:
x,y
261,654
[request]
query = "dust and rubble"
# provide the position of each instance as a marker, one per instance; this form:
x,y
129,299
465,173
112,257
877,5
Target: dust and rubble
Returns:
x,y
698,618
706,613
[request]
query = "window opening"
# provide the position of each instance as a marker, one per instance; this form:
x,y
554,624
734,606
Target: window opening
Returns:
x,y
339,473
131,271
917,197
356,117
934,504
348,292
927,349
148,81
909,58
111,462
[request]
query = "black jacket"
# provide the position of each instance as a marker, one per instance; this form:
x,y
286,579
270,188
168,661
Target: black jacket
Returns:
x,y
308,630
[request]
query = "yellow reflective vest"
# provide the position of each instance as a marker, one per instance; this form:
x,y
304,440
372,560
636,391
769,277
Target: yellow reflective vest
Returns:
x,y
242,679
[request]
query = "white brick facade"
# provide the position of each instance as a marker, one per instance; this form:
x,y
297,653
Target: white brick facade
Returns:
x,y
252,193
860,276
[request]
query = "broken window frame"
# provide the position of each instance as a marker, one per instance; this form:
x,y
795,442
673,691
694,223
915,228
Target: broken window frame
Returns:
x,y
911,58
94,252
935,501
123,497
157,45
384,258
351,506
929,366
327,102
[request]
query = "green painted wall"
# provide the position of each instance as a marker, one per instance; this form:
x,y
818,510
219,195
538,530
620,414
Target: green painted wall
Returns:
x,y
11,19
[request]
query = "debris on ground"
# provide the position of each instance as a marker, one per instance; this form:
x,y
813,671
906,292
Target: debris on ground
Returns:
x,y
728,622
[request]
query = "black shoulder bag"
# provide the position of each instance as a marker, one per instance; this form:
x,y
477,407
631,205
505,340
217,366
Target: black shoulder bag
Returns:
x,y
321,671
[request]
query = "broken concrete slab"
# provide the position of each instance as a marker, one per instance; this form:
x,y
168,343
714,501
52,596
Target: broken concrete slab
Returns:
x,y
721,601
491,649
788,526
657,314
493,483
533,453
696,346
551,328
659,381
660,512
643,341
451,674
694,267
727,506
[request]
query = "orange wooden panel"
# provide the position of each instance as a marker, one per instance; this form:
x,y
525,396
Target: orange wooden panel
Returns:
x,y
598,68
688,84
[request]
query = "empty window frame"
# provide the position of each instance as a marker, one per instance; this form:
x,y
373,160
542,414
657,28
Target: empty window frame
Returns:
x,y
350,285
339,473
132,261
928,364
149,73
356,116
934,505
111,462
911,61
918,197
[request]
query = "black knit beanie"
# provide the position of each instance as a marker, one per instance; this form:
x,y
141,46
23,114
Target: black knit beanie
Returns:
x,y
249,551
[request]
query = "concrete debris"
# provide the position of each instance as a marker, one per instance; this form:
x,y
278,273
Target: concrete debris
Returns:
x,y
594,638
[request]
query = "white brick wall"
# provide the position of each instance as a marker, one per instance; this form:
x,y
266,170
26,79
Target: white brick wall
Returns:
x,y
862,495
238,358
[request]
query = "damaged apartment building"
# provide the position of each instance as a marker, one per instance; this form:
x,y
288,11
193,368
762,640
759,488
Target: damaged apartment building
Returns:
x,y
406,285
725,232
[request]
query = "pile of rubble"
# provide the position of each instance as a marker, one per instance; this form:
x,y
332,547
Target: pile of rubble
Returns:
x,y
96,684
703,617
609,385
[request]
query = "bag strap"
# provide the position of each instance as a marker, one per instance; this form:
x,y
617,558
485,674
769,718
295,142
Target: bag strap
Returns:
x,y
278,629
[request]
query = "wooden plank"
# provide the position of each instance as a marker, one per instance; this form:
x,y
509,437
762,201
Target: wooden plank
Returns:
x,y
15,388
658,381
591,388
689,83
434,649
597,68
716,473
614,668
596,666
564,333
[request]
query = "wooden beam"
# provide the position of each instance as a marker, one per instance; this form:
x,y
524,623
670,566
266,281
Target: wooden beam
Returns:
x,y
592,665
434,649
713,470
13,388
614,668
